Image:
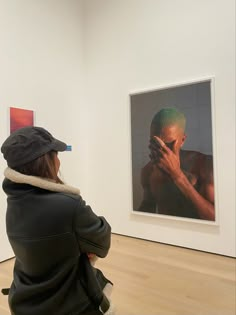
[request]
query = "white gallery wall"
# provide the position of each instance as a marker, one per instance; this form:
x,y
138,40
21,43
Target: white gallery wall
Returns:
x,y
41,66
76,62
133,45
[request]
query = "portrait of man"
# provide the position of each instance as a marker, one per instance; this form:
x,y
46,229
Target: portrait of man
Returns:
x,y
170,177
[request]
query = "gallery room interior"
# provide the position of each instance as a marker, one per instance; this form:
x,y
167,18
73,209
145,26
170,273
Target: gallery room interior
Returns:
x,y
96,73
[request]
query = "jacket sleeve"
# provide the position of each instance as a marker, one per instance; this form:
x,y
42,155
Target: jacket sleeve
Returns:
x,y
93,232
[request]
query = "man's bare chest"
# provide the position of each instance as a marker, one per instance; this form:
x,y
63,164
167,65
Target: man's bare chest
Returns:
x,y
168,196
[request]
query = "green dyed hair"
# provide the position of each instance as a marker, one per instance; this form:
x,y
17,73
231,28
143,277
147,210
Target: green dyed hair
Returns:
x,y
169,116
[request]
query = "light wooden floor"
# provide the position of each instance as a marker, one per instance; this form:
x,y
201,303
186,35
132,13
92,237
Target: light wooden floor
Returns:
x,y
157,279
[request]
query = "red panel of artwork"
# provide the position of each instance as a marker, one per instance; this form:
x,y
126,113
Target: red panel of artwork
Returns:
x,y
20,118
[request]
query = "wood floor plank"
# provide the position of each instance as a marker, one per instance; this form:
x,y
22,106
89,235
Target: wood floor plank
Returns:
x,y
156,279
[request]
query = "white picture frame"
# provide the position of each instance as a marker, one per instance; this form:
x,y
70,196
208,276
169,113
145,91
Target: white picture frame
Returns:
x,y
146,102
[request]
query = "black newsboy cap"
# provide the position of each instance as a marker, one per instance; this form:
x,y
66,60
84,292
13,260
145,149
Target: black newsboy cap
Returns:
x,y
27,144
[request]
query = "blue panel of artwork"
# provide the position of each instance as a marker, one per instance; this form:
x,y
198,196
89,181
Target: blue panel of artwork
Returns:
x,y
69,148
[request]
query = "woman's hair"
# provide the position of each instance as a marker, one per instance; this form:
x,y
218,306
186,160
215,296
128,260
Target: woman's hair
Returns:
x,y
44,167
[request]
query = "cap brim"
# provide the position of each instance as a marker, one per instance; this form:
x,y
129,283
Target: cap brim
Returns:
x,y
59,145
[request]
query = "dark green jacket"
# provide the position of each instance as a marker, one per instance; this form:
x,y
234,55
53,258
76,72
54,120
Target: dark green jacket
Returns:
x,y
50,233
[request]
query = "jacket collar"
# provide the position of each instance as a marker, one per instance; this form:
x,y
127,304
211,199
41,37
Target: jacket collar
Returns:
x,y
42,183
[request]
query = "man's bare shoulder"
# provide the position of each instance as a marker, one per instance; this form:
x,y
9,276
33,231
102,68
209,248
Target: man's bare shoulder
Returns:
x,y
195,154
146,172
148,166
197,162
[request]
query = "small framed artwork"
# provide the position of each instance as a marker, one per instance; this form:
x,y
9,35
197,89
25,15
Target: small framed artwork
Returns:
x,y
173,160
20,117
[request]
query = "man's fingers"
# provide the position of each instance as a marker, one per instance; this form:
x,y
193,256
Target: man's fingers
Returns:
x,y
155,144
175,145
152,158
154,147
155,155
157,152
159,141
161,144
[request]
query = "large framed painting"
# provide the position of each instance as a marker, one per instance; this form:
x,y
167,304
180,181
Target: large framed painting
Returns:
x,y
173,160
